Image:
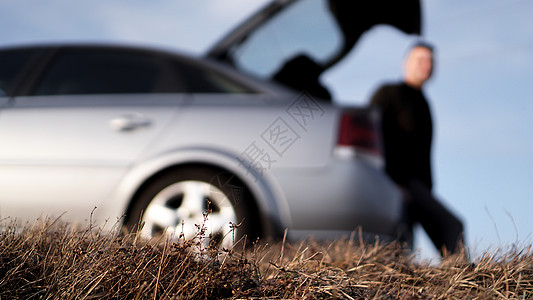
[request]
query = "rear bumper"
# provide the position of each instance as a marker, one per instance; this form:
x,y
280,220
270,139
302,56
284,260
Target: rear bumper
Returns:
x,y
346,195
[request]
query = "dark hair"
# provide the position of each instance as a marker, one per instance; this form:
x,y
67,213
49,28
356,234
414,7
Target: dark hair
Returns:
x,y
423,44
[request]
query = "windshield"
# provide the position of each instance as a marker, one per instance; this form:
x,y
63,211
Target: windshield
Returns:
x,y
291,33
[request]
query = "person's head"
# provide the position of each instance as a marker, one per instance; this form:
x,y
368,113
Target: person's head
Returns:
x,y
418,65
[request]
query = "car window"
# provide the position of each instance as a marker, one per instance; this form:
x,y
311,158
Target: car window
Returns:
x,y
111,71
201,79
102,71
291,33
11,64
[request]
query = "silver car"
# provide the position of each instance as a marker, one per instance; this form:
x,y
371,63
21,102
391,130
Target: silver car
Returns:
x,y
242,141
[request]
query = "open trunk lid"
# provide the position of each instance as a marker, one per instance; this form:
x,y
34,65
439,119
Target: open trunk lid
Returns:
x,y
294,41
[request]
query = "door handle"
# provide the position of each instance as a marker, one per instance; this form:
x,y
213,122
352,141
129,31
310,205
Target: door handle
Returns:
x,y
130,122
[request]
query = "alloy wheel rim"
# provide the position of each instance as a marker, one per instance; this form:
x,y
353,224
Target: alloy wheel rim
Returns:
x,y
191,209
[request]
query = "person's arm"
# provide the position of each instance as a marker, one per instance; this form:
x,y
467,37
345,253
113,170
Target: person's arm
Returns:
x,y
385,98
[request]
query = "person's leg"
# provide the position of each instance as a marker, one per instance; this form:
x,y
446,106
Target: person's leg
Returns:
x,y
408,220
444,229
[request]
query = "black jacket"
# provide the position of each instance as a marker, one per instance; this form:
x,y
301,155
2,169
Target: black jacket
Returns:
x,y
407,132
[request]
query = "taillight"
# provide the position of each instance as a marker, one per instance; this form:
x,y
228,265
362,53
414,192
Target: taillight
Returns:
x,y
360,129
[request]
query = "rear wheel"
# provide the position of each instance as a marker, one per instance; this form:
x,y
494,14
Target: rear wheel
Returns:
x,y
196,202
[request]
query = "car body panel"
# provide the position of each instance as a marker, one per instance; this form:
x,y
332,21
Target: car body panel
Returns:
x,y
323,188
84,151
300,183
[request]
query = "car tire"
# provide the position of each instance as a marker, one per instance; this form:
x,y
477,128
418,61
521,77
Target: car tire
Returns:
x,y
196,202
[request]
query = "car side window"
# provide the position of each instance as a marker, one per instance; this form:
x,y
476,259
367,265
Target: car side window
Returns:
x,y
12,62
103,71
112,71
201,79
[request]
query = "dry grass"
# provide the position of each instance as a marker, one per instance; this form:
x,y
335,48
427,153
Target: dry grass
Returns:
x,y
59,261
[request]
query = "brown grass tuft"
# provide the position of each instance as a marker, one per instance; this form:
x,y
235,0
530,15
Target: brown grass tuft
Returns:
x,y
49,260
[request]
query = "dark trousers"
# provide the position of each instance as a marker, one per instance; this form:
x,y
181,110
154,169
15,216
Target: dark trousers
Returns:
x,y
444,229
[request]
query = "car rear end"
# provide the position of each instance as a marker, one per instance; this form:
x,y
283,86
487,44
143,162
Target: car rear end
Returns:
x,y
348,190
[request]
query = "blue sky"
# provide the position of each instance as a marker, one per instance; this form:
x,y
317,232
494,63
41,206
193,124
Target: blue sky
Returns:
x,y
481,94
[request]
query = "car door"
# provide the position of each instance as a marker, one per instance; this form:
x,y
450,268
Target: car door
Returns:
x,y
84,121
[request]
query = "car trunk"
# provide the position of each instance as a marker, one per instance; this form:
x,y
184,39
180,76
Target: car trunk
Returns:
x,y
294,41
